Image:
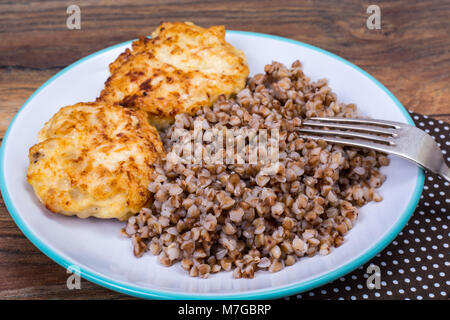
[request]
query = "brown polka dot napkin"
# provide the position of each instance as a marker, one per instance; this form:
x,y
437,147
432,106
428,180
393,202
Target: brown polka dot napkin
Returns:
x,y
416,264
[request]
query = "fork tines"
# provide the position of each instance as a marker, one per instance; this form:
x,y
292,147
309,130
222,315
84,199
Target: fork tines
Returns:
x,y
368,133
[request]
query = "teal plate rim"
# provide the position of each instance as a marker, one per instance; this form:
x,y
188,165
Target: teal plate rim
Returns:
x,y
259,294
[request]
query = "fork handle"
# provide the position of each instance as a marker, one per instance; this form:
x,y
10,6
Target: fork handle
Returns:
x,y
445,171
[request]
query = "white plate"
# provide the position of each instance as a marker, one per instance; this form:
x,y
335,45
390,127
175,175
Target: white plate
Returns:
x,y
106,258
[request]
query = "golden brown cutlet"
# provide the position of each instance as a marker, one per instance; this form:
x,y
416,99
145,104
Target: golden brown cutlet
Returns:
x,y
181,68
94,159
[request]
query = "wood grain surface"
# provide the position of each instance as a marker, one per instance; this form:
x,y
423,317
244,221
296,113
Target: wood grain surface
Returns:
x,y
410,55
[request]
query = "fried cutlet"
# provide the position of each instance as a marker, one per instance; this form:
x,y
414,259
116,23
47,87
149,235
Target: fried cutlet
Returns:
x,y
181,68
94,159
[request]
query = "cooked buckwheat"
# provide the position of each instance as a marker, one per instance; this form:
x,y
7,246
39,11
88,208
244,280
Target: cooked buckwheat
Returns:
x,y
240,217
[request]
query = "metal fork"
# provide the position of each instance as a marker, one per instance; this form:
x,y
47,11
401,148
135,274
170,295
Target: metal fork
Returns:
x,y
389,137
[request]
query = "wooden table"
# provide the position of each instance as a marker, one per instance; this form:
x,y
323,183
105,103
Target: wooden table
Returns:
x,y
410,55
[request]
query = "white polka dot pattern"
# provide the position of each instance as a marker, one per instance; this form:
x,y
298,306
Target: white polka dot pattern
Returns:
x,y
415,266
